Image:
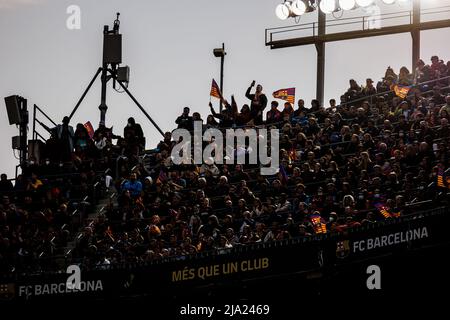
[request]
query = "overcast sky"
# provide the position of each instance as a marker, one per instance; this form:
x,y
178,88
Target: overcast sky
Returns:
x,y
168,46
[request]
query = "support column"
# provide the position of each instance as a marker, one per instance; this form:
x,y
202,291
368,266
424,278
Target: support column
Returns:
x,y
415,34
320,47
103,107
23,136
222,62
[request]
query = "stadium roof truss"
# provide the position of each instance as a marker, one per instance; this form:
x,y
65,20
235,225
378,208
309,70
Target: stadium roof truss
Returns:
x,y
321,32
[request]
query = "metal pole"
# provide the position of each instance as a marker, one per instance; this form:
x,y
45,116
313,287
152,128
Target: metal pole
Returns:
x,y
139,106
103,107
84,93
320,47
23,132
415,34
45,115
34,123
34,134
222,62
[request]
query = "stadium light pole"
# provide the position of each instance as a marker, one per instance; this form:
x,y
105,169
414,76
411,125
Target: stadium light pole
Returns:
x,y
319,37
220,53
415,34
320,48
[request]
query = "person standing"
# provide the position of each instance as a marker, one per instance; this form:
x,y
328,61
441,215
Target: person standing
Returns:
x,y
133,134
65,135
185,121
258,103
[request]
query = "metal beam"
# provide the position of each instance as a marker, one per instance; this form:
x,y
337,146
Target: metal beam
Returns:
x,y
277,44
139,105
222,62
85,92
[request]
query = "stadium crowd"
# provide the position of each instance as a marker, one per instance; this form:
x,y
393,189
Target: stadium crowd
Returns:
x,y
343,165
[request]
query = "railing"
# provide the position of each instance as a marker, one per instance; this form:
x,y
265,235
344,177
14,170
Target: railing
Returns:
x,y
360,23
35,133
371,97
317,239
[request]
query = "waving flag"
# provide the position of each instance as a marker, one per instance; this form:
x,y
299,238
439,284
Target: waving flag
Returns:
x,y
215,90
383,210
401,91
284,176
162,177
285,94
317,223
440,177
89,129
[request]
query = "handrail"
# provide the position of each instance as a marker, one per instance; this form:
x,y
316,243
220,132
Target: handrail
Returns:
x,y
256,246
390,91
352,21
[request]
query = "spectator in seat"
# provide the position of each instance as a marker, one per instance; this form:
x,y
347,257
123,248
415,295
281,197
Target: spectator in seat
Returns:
x,y
81,137
435,67
166,143
353,91
301,110
133,185
315,106
446,106
405,77
332,106
421,74
438,98
6,186
369,89
244,116
34,183
273,115
287,112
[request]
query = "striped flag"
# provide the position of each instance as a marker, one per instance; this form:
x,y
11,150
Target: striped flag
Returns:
x,y
284,176
292,155
90,129
401,91
162,177
317,223
440,177
382,209
109,233
215,90
285,94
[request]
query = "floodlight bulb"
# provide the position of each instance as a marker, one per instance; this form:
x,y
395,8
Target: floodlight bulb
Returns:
x,y
364,3
347,4
327,6
282,11
298,7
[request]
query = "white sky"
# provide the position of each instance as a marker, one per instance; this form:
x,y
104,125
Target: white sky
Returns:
x,y
168,45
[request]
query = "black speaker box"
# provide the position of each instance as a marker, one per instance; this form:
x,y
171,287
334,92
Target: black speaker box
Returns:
x,y
112,48
13,109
